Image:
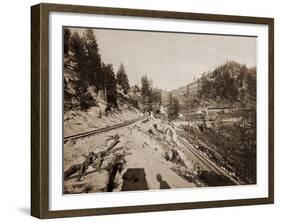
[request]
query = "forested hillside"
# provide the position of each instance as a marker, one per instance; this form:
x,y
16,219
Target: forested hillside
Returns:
x,y
230,84
85,74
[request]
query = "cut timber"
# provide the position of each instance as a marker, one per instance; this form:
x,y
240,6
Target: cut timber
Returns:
x,y
86,173
93,159
113,144
71,170
102,154
89,161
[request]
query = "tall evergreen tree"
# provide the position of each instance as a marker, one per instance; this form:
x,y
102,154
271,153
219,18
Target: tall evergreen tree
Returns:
x,y
110,85
145,87
88,65
92,62
251,82
77,48
176,108
170,109
122,79
66,40
156,96
173,107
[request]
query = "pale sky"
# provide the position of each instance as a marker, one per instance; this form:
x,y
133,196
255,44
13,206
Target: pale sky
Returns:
x,y
171,60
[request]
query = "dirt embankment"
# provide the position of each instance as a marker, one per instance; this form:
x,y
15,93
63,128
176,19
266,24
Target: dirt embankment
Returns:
x,y
76,121
147,154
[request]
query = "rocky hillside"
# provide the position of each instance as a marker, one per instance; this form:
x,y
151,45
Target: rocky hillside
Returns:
x,y
231,84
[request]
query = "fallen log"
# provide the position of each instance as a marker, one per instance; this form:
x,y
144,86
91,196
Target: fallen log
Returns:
x,y
85,174
71,170
89,161
113,144
99,161
92,159
102,154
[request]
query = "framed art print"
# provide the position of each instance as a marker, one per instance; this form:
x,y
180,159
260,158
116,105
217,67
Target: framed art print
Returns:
x,y
138,110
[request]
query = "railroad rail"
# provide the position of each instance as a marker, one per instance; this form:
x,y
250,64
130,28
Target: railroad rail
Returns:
x,y
208,163
102,130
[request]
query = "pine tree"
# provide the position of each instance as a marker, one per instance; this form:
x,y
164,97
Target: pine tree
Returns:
x,y
92,63
170,109
156,96
145,87
176,108
122,79
66,40
88,65
173,107
110,85
77,48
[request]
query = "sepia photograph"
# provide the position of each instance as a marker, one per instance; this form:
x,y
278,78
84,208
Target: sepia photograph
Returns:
x,y
152,110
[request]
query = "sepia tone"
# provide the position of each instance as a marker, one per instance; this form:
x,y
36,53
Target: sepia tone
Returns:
x,y
154,110
40,200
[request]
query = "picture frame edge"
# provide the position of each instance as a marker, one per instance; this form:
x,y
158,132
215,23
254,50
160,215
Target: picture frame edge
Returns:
x,y
35,112
271,108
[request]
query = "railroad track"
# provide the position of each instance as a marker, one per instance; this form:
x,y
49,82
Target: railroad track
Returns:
x,y
102,130
208,163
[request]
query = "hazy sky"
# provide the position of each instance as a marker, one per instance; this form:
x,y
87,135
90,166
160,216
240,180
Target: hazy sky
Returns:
x,y
171,60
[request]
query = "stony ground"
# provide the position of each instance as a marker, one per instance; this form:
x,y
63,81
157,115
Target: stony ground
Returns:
x,y
149,149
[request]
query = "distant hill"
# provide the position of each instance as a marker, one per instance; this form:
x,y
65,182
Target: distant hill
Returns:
x,y
230,84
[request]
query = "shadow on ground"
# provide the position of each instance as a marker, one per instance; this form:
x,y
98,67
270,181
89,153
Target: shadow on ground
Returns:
x,y
134,179
24,210
163,183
